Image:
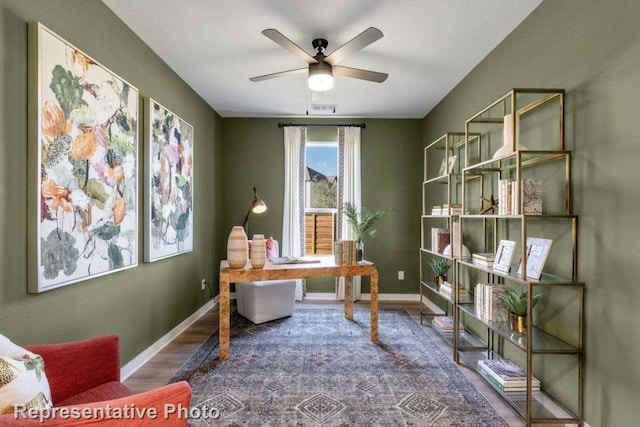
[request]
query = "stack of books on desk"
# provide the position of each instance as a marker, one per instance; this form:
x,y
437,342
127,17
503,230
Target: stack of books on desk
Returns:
x,y
506,375
444,324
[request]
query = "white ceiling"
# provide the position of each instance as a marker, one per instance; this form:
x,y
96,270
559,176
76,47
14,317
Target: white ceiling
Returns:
x,y
428,47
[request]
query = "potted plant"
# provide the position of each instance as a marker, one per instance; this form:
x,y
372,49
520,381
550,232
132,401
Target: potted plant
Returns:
x,y
362,222
440,268
516,303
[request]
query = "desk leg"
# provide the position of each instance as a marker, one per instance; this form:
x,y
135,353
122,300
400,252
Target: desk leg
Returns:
x,y
348,297
374,305
224,321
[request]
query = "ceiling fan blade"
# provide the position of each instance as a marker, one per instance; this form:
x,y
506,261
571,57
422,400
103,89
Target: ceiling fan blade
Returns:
x,y
360,41
357,73
280,74
277,37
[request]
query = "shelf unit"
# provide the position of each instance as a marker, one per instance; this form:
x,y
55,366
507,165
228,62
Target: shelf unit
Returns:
x,y
526,128
436,174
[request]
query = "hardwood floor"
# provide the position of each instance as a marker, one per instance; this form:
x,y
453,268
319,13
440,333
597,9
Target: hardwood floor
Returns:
x,y
166,363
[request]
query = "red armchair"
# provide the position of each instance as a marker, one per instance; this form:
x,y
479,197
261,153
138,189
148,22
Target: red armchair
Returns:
x,y
85,376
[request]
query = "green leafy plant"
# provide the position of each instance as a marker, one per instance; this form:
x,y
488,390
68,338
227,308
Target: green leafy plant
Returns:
x,y
362,221
516,302
439,266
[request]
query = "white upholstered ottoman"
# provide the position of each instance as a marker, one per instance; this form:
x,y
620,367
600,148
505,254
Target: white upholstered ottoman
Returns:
x,y
266,300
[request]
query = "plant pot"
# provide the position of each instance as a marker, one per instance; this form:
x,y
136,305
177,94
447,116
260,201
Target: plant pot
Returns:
x,y
439,280
518,323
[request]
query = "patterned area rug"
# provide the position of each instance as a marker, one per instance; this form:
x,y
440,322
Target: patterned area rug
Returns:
x,y
317,368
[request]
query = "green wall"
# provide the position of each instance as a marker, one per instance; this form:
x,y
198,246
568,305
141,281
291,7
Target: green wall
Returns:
x,y
253,154
591,49
140,304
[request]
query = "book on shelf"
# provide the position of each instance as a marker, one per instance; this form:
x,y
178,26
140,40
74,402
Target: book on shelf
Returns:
x,y
487,304
484,259
292,260
440,238
507,388
445,322
447,209
507,189
531,197
446,290
506,373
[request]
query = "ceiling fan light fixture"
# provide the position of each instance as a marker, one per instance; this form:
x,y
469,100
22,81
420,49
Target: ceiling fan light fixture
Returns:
x,y
320,77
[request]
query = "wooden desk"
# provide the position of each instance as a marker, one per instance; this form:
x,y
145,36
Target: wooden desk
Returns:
x,y
326,267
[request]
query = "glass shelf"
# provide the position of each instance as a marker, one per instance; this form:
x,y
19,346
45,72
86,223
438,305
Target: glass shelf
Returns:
x,y
432,287
510,161
543,406
545,280
541,342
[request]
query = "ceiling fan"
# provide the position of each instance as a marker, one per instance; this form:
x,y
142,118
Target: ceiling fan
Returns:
x,y
323,67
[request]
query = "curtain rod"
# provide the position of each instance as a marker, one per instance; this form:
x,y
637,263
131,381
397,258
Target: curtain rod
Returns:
x,y
355,125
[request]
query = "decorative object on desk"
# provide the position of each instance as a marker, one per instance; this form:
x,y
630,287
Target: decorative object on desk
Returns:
x,y
293,260
169,184
258,253
516,303
237,247
362,223
83,166
440,268
537,252
531,197
257,206
504,254
492,205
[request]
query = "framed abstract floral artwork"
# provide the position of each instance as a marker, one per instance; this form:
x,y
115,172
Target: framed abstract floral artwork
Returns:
x,y
85,146
169,184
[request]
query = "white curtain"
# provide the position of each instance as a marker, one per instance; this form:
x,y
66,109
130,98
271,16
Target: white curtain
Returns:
x,y
293,218
349,181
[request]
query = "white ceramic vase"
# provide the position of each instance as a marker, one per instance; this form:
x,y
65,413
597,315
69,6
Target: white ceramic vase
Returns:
x,y
258,251
237,247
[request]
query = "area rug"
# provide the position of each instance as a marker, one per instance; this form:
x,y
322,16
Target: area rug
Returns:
x,y
317,368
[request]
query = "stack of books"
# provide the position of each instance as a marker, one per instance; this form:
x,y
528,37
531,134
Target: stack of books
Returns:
x,y
484,259
447,209
506,375
444,324
507,189
487,304
446,290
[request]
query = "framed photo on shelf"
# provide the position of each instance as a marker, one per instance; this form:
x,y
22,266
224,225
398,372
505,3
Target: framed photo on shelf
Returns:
x,y
443,167
504,255
451,163
537,252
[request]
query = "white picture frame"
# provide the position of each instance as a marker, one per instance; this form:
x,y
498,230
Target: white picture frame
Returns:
x,y
169,181
83,184
537,251
504,255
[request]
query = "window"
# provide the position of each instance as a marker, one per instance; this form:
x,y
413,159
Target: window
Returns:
x,y
321,197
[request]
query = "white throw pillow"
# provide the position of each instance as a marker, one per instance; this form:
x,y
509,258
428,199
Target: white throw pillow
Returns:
x,y
22,379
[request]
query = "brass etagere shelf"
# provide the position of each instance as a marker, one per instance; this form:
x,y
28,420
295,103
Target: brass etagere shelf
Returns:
x,y
529,124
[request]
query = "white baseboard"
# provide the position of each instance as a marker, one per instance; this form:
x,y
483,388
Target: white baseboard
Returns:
x,y
363,297
136,363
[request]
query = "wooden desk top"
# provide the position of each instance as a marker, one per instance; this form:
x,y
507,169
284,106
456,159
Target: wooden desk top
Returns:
x,y
326,267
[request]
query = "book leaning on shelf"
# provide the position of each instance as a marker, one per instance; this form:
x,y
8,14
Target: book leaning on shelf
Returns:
x,y
446,290
440,238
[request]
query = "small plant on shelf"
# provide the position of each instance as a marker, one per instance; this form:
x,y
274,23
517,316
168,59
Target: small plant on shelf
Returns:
x,y
516,303
440,268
